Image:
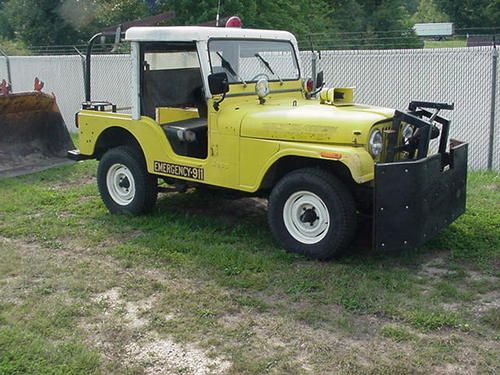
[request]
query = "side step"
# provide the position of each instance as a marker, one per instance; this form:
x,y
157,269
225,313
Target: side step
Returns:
x,y
76,156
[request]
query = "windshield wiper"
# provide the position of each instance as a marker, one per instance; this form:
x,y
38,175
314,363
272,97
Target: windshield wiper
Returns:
x,y
268,67
226,65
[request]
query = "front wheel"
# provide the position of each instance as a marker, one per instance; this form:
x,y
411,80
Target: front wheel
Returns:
x,y
312,213
124,183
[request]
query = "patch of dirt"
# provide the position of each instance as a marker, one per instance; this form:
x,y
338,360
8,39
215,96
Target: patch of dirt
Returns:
x,y
311,347
480,276
14,287
164,356
452,306
111,296
455,369
10,289
156,354
487,302
435,268
135,309
119,328
493,187
67,184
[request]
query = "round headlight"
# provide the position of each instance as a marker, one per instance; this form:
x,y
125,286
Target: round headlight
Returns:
x,y
376,143
407,132
262,88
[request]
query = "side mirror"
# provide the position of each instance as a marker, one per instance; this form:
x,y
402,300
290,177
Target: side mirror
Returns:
x,y
319,80
218,83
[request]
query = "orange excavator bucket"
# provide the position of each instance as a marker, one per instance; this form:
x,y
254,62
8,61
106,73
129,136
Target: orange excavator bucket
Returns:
x,y
33,134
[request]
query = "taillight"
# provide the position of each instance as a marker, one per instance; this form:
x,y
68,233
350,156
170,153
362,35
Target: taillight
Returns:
x,y
309,86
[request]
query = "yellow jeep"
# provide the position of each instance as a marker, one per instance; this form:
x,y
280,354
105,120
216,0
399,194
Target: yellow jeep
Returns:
x,y
229,108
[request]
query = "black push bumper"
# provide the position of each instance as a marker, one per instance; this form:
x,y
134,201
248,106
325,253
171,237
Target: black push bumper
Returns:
x,y
415,199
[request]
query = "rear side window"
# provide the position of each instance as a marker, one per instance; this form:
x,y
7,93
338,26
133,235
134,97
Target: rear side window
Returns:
x,y
171,77
171,60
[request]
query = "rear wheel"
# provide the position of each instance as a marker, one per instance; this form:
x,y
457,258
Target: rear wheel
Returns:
x,y
312,213
124,183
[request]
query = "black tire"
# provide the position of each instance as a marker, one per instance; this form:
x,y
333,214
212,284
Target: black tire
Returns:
x,y
341,212
143,196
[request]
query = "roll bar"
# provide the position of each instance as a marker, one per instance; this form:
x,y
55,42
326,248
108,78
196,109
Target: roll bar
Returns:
x,y
88,56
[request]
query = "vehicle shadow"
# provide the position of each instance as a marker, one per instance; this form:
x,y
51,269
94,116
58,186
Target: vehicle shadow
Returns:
x,y
215,205
214,208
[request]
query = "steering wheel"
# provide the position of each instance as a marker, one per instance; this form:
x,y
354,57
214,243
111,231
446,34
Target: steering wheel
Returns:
x,y
260,75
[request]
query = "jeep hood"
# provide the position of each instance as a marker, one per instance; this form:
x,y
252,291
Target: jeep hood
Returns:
x,y
322,123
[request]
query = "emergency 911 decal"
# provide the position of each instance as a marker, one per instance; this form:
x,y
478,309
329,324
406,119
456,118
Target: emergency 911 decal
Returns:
x,y
179,170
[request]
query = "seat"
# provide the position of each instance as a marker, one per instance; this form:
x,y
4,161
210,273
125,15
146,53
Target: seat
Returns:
x,y
170,88
188,137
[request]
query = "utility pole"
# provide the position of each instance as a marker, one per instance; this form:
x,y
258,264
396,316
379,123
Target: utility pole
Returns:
x,y
218,14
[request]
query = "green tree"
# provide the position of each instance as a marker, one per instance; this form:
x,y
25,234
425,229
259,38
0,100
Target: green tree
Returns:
x,y
114,12
300,17
383,15
428,11
472,13
376,23
347,16
50,22
411,5
13,47
357,23
37,22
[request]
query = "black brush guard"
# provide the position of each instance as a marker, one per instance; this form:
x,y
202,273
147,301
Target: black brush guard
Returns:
x,y
415,199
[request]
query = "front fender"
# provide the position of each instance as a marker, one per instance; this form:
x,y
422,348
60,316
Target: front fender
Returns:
x,y
356,159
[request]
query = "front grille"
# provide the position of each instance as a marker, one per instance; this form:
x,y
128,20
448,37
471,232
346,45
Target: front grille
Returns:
x,y
383,127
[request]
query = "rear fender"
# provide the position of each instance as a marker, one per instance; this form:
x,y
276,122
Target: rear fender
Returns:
x,y
146,132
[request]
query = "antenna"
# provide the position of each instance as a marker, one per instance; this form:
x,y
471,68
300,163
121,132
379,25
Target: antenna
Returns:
x,y
217,17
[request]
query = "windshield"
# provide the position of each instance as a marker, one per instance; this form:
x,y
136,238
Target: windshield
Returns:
x,y
250,60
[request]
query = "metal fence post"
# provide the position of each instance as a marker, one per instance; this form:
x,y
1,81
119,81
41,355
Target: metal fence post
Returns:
x,y
493,104
7,61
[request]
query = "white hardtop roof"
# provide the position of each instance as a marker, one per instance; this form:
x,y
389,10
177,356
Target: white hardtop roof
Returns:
x,y
200,33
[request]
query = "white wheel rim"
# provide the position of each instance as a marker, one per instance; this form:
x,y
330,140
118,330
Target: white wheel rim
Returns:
x,y
120,183
306,217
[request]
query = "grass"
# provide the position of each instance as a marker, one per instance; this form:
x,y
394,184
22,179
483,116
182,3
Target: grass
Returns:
x,y
397,333
218,281
454,43
26,353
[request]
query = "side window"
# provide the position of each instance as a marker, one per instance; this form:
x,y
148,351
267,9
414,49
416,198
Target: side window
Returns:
x,y
171,77
171,60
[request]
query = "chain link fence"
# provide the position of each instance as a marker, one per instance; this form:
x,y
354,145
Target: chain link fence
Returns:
x,y
111,80
62,75
390,78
